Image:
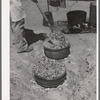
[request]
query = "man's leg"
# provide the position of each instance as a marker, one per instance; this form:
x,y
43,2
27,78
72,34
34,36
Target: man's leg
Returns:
x,y
19,36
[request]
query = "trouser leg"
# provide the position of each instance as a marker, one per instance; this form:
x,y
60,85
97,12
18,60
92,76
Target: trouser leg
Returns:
x,y
19,35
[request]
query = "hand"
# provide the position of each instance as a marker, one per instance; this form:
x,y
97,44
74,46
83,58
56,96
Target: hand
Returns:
x,y
35,1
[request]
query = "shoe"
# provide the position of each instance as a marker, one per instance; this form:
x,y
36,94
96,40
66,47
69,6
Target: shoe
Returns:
x,y
29,49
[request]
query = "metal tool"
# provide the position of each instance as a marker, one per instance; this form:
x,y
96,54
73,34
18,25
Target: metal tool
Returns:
x,y
40,9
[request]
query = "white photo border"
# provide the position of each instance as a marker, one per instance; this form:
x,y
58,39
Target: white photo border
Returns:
x,y
5,49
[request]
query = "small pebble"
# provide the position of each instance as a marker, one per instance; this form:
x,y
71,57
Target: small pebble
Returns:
x,y
47,89
60,88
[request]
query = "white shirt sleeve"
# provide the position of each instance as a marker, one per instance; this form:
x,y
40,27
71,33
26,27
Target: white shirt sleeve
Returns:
x,y
16,10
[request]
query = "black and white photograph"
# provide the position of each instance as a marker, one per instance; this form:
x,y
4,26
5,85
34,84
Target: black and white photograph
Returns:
x,y
53,49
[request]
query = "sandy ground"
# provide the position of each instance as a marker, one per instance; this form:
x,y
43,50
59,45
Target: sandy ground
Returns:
x,y
81,66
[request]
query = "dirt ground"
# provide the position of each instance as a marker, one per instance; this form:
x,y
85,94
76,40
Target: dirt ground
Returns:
x,y
80,64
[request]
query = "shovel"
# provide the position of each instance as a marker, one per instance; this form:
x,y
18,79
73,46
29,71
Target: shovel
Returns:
x,y
39,7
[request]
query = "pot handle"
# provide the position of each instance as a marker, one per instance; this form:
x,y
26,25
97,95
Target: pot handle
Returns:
x,y
73,5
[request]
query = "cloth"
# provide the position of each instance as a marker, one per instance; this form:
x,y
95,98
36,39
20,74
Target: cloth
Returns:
x,y
16,10
19,35
17,21
63,3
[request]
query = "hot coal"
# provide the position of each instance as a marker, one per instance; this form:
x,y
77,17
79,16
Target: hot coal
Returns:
x,y
49,69
56,41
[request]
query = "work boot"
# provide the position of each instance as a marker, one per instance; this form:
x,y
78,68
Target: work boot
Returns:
x,y
29,49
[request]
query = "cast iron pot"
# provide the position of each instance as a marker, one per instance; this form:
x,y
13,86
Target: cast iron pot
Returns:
x,y
50,83
57,53
74,18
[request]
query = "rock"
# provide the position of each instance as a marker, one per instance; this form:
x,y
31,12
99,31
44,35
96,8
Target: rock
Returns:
x,y
60,88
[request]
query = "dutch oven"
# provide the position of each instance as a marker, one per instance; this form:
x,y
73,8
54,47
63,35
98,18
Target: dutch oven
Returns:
x,y
57,53
75,18
50,83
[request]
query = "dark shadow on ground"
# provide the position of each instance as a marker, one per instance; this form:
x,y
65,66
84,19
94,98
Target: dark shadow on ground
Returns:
x,y
31,37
